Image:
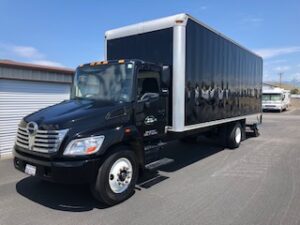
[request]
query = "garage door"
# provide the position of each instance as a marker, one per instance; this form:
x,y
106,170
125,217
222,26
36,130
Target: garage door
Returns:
x,y
18,99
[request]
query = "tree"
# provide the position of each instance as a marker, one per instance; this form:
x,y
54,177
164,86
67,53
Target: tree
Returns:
x,y
295,91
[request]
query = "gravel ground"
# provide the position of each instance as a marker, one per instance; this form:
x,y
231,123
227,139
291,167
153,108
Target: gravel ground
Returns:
x,y
258,183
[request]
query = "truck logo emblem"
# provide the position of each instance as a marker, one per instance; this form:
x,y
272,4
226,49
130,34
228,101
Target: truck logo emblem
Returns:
x,y
150,120
31,128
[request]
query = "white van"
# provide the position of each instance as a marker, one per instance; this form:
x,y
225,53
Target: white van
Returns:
x,y
275,99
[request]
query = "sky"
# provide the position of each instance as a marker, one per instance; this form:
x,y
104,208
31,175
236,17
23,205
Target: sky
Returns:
x,y
68,33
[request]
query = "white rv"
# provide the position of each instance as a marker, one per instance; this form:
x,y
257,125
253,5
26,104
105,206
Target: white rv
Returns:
x,y
275,99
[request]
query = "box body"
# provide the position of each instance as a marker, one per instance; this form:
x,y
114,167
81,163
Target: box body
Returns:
x,y
214,79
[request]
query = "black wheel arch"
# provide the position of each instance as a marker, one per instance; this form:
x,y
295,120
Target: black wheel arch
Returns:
x,y
121,137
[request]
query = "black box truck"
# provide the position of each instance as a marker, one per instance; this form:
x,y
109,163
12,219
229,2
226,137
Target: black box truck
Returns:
x,y
162,80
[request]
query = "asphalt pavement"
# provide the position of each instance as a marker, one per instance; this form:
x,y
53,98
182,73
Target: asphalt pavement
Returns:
x,y
257,184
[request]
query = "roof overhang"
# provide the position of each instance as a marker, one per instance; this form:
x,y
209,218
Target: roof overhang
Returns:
x,y
21,65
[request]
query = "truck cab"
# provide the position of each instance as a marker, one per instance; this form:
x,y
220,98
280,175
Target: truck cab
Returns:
x,y
114,106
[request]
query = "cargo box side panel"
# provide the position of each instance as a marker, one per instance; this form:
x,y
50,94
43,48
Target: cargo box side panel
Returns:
x,y
223,80
155,47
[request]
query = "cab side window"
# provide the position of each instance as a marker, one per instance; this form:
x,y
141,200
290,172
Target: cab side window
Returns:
x,y
148,85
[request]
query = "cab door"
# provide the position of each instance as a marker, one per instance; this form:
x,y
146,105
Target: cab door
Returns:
x,y
151,112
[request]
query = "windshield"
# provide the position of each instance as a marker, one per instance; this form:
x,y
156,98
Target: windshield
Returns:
x,y
271,97
111,82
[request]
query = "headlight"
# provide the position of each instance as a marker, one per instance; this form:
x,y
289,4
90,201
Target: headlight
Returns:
x,y
84,146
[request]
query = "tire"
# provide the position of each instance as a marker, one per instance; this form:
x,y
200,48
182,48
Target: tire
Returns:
x,y
234,135
106,188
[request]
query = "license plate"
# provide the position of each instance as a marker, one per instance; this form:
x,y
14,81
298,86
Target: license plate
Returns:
x,y
30,170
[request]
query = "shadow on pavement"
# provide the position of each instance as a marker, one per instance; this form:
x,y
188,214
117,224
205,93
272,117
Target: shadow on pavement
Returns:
x,y
185,154
75,198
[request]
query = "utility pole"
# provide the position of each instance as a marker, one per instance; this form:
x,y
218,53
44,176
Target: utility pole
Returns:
x,y
280,78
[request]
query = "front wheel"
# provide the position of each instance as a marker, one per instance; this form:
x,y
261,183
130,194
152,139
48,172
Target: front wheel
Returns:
x,y
116,177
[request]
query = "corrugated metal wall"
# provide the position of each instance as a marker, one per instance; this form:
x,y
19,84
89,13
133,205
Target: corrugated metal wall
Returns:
x,y
34,75
18,98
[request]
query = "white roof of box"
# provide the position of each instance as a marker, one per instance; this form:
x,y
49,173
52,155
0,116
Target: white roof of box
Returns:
x,y
144,27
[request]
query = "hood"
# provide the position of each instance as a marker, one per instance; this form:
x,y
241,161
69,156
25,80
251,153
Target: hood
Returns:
x,y
71,113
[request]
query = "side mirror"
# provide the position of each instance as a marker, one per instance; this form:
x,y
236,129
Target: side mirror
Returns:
x,y
145,101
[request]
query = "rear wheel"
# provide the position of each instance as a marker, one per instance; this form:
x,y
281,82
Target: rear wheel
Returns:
x,y
232,135
116,178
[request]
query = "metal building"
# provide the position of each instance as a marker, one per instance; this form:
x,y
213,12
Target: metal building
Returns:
x,y
269,86
25,88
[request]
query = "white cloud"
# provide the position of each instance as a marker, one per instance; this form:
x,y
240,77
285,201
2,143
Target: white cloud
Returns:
x,y
267,53
47,63
277,61
203,7
266,76
282,68
28,54
296,76
252,20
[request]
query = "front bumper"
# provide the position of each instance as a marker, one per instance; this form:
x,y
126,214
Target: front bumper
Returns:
x,y
79,171
271,107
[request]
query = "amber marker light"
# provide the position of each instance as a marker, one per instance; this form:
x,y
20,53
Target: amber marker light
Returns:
x,y
127,130
178,21
91,150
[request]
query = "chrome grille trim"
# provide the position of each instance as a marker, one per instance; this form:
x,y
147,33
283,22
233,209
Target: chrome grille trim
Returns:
x,y
22,132
44,141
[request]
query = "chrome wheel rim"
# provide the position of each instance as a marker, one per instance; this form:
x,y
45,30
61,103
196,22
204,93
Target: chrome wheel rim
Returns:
x,y
238,135
120,175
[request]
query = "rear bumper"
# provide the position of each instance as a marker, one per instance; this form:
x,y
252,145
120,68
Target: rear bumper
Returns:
x,y
72,172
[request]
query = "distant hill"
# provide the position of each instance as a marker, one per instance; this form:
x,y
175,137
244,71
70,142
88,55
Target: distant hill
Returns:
x,y
288,85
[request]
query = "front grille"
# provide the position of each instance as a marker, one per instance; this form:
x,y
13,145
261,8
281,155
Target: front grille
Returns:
x,y
45,141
